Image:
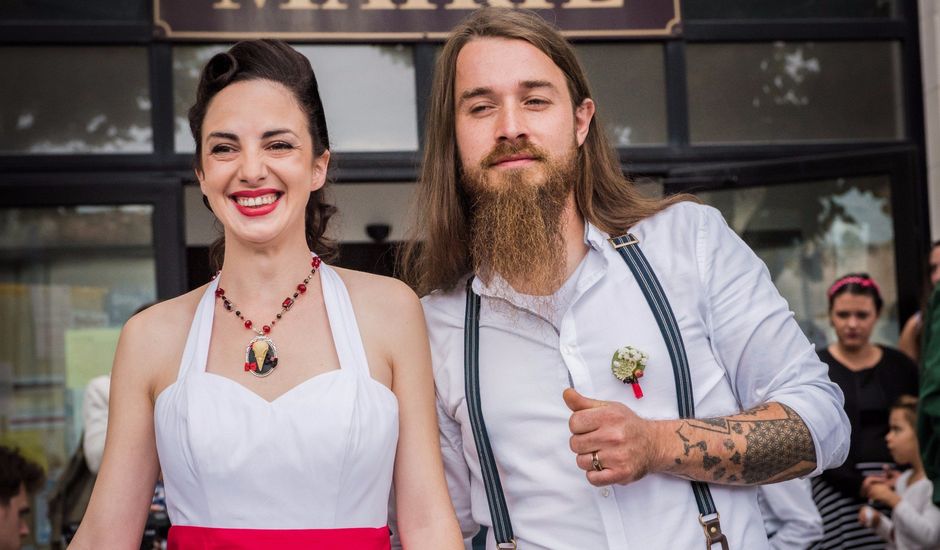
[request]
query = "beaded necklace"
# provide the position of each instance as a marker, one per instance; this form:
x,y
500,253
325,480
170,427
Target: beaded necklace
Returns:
x,y
261,353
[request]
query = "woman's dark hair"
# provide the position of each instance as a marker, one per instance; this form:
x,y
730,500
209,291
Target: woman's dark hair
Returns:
x,y
275,61
860,284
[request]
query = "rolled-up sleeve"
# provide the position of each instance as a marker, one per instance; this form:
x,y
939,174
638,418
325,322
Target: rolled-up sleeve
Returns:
x,y
754,335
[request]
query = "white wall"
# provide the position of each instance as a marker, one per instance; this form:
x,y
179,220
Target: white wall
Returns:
x,y
930,61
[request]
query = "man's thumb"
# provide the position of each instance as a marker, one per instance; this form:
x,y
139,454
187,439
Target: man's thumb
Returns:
x,y
577,402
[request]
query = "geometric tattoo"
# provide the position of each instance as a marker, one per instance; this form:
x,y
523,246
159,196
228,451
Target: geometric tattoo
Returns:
x,y
775,446
747,448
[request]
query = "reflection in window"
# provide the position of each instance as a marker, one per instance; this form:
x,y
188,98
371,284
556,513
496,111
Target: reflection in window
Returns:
x,y
811,233
794,91
69,279
629,86
368,93
75,100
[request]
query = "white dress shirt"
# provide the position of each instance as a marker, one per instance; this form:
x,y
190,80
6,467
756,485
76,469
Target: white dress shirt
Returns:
x,y
95,419
791,518
744,349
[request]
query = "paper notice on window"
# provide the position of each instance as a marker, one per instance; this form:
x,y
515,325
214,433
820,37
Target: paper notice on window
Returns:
x,y
89,352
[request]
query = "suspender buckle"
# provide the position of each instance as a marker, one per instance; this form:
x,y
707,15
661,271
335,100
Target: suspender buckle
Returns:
x,y
713,534
511,545
623,241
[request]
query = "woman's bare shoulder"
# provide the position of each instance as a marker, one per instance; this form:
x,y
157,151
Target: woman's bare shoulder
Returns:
x,y
157,335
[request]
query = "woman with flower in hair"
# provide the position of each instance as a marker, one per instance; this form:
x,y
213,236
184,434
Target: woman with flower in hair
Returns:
x,y
872,377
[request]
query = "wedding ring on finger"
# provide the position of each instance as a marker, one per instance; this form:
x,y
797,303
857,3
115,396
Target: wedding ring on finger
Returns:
x,y
596,462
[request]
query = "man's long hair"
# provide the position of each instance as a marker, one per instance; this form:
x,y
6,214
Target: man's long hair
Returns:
x,y
438,255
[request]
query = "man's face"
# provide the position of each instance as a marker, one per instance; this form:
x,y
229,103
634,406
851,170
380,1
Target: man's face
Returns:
x,y
13,521
514,112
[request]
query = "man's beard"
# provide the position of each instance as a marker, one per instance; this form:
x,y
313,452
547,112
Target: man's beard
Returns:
x,y
517,222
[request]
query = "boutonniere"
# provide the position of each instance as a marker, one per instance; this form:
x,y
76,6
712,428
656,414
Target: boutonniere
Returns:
x,y
628,365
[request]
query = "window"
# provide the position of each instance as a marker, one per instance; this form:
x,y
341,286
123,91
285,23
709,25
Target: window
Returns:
x,y
794,91
75,99
811,233
629,86
368,93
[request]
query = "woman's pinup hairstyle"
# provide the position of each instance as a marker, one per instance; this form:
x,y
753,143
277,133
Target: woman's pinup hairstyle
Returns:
x,y
275,61
859,284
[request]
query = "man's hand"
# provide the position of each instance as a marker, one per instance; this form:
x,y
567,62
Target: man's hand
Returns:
x,y
625,443
765,444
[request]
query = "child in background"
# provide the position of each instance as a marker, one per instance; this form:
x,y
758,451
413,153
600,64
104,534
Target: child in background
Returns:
x,y
915,521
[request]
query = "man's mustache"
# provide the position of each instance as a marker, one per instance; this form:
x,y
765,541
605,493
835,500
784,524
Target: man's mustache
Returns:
x,y
507,149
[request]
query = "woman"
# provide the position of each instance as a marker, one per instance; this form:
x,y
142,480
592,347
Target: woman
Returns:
x,y
910,341
280,395
872,377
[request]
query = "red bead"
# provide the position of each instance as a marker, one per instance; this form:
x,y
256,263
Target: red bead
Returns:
x,y
248,323
315,262
265,329
287,303
249,366
219,292
301,288
637,391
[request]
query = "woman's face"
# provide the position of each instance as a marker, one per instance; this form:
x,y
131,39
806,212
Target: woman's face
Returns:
x,y
258,163
901,439
934,261
853,316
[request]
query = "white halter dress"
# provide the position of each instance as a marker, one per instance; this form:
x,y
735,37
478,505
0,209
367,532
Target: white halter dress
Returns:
x,y
312,468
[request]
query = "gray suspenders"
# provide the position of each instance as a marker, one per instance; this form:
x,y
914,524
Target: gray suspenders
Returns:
x,y
628,248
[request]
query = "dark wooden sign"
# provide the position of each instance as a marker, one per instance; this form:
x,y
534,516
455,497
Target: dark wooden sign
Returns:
x,y
376,20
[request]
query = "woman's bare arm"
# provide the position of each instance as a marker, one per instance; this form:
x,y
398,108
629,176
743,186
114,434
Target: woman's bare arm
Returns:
x,y
121,498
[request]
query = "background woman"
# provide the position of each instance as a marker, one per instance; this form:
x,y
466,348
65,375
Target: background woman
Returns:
x,y
280,395
910,340
872,377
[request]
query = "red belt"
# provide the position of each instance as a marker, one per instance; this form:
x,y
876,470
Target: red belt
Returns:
x,y
186,537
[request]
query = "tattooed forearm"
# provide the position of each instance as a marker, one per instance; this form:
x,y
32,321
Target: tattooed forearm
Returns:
x,y
765,444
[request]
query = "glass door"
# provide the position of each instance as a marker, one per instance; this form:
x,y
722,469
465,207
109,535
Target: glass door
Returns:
x,y
76,261
812,220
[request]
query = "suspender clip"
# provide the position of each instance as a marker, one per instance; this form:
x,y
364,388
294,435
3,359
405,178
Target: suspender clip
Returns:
x,y
623,241
713,534
511,545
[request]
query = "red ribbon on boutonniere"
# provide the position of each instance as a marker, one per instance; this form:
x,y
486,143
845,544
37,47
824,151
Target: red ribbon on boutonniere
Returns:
x,y
628,365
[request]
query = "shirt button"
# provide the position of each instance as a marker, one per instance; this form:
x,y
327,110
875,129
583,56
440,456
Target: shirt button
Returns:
x,y
605,492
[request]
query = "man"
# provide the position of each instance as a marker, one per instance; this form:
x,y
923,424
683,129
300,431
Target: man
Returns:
x,y
520,188
19,479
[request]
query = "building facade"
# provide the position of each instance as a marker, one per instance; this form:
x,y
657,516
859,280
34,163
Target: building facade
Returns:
x,y
803,122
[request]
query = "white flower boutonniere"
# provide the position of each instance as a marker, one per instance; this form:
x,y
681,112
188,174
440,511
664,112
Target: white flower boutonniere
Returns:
x,y
628,365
